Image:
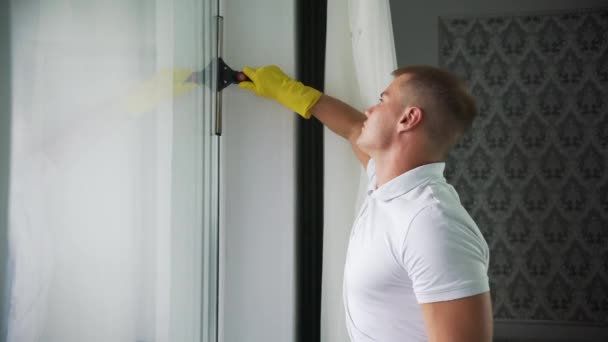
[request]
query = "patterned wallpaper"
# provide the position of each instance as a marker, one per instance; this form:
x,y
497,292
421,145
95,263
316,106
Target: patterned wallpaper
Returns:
x,y
533,170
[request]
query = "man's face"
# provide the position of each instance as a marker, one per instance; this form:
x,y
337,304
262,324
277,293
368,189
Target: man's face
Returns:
x,y
380,128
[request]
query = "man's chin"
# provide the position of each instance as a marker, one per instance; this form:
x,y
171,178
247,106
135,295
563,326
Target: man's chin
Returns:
x,y
360,143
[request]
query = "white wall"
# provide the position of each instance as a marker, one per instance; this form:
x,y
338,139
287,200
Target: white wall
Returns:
x,y
257,297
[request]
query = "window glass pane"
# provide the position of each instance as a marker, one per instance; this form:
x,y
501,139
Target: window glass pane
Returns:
x,y
113,171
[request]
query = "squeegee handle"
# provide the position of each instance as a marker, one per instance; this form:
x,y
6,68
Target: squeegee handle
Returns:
x,y
241,77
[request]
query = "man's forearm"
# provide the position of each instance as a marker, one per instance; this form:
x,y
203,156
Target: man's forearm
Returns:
x,y
271,82
344,120
339,117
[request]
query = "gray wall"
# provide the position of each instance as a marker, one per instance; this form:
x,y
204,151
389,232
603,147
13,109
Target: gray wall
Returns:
x,y
415,29
258,219
415,22
5,110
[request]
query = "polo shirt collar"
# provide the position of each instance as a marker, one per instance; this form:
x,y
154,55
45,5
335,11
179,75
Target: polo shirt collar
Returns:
x,y
406,181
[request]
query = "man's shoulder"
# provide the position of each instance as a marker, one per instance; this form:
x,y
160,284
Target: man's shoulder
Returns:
x,y
445,225
442,202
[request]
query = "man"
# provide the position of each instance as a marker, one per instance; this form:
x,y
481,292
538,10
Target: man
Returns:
x,y
416,266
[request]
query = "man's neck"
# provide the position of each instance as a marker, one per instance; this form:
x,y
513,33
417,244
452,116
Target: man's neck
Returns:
x,y
395,163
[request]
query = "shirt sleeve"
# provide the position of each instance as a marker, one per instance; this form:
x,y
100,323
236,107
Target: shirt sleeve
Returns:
x,y
445,257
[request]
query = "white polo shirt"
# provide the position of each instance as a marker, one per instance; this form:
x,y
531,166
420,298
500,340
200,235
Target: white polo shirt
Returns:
x,y
412,243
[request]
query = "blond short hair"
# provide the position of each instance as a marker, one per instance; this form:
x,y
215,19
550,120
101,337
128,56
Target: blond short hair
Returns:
x,y
446,99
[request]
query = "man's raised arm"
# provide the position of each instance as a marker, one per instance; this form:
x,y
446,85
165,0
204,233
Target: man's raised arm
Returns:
x,y
344,120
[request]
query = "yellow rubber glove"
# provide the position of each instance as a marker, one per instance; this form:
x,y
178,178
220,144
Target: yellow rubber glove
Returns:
x,y
271,82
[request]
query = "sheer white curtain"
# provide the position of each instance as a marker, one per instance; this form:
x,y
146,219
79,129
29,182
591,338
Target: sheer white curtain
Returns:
x,y
360,57
98,251
373,52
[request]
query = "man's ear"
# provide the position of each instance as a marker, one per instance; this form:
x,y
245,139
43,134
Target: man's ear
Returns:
x,y
410,118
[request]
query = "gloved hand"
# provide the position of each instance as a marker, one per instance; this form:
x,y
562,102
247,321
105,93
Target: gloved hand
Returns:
x,y
271,82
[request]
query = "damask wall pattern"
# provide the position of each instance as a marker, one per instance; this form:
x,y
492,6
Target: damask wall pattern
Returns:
x,y
533,169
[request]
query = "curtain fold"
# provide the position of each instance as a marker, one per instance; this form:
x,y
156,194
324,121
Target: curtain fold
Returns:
x,y
374,55
373,46
360,57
